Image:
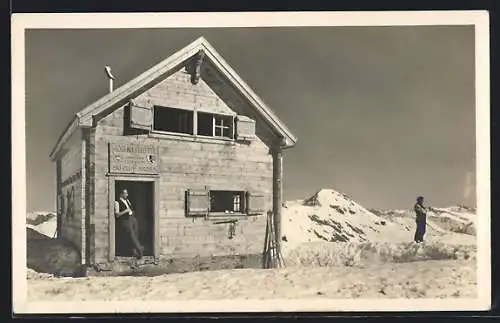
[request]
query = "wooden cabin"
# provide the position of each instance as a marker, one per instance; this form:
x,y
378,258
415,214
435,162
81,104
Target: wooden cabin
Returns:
x,y
199,153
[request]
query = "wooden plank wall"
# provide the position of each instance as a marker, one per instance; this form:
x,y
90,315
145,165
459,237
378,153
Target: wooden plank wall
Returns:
x,y
188,164
71,190
90,194
83,197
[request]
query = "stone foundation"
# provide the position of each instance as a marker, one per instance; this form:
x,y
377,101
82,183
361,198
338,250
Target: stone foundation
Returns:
x,y
147,266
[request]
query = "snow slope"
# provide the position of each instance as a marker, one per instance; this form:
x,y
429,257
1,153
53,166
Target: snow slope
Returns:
x,y
331,216
43,222
448,220
334,217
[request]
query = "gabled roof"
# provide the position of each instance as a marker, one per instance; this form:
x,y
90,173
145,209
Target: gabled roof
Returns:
x,y
84,118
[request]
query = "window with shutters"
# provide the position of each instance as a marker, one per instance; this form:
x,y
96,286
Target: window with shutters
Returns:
x,y
224,202
173,120
168,120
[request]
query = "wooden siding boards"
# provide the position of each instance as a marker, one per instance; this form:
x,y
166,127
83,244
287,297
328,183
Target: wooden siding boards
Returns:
x,y
175,94
187,164
71,191
90,194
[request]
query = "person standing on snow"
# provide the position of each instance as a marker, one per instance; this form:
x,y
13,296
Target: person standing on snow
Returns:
x,y
421,219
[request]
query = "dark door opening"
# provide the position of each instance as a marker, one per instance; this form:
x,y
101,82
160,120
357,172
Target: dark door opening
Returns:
x,y
140,195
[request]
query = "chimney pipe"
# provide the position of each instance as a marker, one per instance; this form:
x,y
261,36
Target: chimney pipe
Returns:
x,y
110,76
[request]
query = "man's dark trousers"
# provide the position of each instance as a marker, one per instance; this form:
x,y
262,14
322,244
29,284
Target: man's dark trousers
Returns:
x,y
130,224
420,230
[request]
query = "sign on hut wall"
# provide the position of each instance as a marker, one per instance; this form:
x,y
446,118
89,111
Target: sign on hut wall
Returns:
x,y
134,158
67,197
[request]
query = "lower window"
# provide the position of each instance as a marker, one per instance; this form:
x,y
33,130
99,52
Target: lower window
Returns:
x,y
203,202
227,202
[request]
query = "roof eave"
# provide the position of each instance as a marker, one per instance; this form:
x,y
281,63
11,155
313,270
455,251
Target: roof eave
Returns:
x,y
247,91
67,133
84,117
146,77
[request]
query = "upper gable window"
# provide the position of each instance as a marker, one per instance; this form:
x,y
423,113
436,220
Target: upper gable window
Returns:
x,y
195,123
214,125
173,120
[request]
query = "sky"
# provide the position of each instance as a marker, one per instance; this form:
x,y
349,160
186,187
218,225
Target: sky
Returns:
x,y
382,114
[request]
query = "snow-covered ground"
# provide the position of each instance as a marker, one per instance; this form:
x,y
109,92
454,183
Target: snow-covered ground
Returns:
x,y
333,247
423,279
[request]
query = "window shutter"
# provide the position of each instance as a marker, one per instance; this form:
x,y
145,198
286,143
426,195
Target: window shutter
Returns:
x,y
245,128
255,203
197,202
141,117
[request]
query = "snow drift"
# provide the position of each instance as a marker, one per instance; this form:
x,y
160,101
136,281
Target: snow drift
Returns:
x,y
45,254
372,253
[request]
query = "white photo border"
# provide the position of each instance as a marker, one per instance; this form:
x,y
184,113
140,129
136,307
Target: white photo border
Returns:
x,y
21,22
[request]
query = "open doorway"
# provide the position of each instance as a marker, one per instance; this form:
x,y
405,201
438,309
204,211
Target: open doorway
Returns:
x,y
140,195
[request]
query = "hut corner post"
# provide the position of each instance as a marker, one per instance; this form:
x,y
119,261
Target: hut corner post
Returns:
x,y
58,200
277,194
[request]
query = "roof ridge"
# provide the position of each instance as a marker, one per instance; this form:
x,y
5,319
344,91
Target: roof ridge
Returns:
x,y
84,116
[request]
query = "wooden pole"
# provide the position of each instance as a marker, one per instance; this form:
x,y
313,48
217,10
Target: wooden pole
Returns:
x,y
277,194
266,244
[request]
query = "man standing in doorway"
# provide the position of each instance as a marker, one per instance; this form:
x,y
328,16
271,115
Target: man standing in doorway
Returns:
x,y
421,215
125,215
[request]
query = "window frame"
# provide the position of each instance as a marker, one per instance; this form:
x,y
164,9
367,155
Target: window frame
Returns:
x,y
185,134
242,212
222,127
216,126
194,133
246,208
